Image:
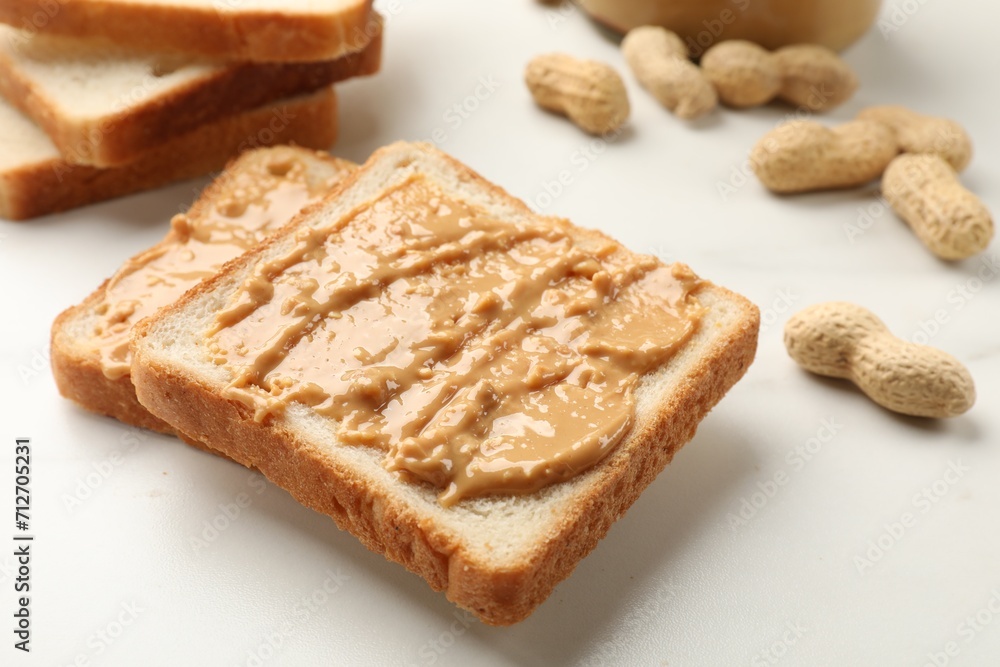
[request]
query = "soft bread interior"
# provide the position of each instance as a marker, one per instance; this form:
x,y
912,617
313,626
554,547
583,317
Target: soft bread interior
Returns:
x,y
85,82
306,7
77,363
23,142
502,530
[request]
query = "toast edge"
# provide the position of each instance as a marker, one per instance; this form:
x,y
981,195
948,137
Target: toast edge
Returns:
x,y
80,378
397,531
212,32
54,186
125,137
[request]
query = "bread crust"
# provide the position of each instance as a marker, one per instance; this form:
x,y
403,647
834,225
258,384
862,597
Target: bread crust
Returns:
x,y
394,527
56,185
77,368
211,32
397,531
80,378
123,137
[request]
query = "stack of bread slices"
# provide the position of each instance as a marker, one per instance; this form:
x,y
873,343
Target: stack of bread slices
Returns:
x,y
102,98
313,239
142,348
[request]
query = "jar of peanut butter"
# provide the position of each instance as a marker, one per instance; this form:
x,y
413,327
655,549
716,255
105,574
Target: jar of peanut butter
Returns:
x,y
770,23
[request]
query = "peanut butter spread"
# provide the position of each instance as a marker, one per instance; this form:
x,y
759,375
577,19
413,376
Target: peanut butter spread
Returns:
x,y
195,249
481,355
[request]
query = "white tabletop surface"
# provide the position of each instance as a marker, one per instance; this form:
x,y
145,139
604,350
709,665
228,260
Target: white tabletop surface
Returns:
x,y
818,570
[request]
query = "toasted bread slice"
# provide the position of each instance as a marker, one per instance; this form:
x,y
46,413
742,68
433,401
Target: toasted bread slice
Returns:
x,y
106,106
35,180
250,30
499,556
256,194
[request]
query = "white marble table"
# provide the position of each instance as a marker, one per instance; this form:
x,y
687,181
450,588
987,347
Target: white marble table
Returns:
x,y
802,526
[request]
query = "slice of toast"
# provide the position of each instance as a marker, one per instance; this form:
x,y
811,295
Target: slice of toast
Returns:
x,y
257,193
247,30
105,106
499,556
36,181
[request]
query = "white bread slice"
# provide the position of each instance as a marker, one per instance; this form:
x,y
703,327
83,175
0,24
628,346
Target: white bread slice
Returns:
x,y
251,181
35,180
497,556
246,30
106,106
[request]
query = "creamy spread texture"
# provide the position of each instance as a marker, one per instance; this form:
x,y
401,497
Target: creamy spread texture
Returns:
x,y
481,355
196,248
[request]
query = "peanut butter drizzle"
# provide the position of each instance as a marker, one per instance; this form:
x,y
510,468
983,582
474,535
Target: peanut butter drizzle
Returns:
x,y
196,248
482,356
